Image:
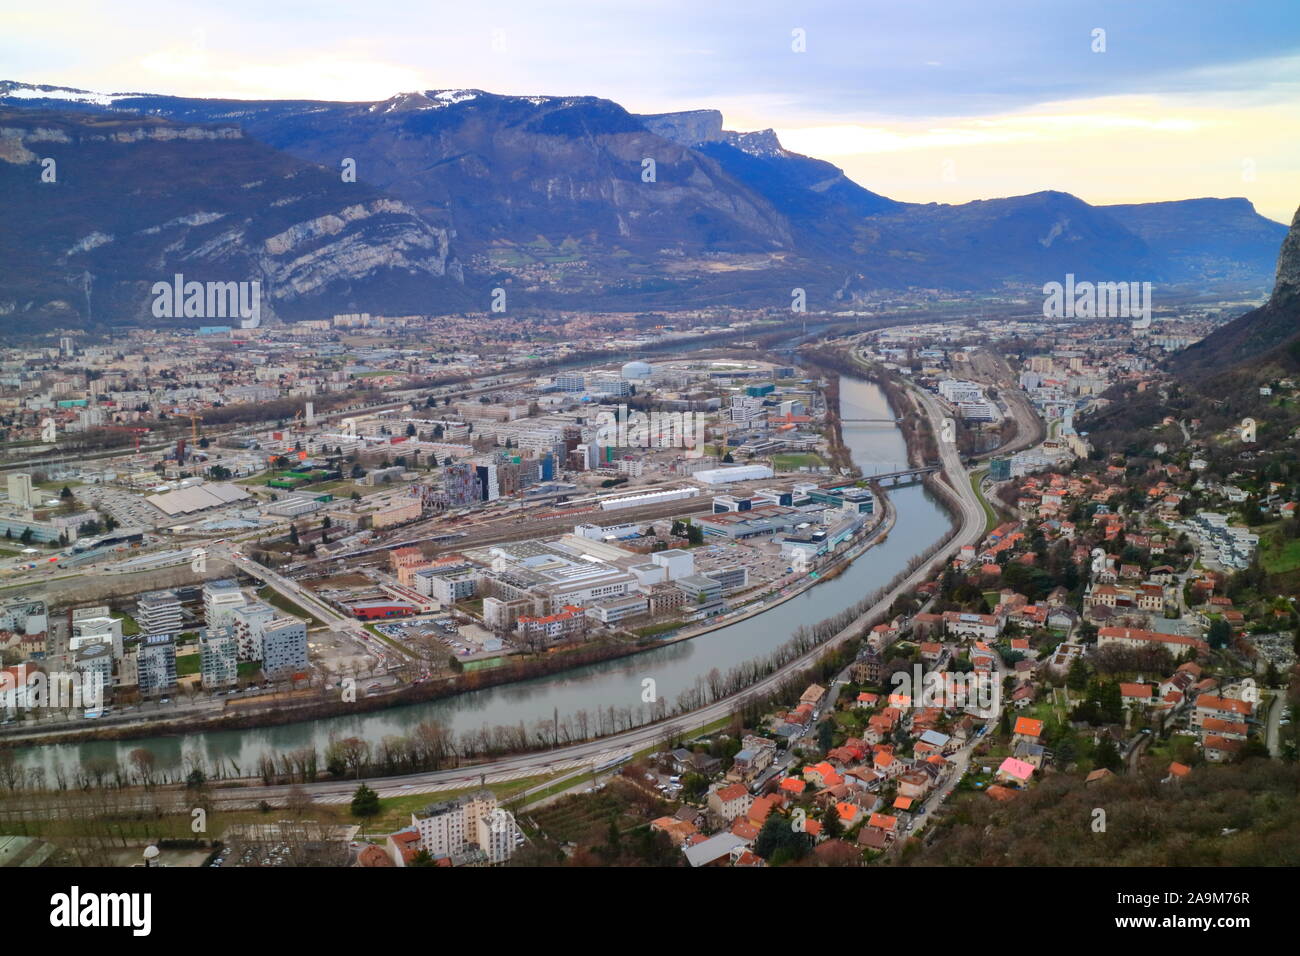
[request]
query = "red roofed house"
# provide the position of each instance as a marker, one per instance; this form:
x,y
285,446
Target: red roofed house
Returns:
x,y
731,801
1136,694
793,785
1213,705
1027,729
402,846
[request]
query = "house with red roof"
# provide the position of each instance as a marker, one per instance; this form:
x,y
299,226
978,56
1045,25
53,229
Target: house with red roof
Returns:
x,y
793,786
1218,749
1215,705
1140,694
730,801
822,775
402,846
849,813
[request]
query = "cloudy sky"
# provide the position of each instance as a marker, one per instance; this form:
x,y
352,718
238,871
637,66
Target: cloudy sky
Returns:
x,y
921,100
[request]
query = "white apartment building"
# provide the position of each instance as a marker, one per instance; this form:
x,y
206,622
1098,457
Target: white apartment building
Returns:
x,y
219,660
156,663
158,612
247,623
447,585
284,647
220,598
453,826
95,625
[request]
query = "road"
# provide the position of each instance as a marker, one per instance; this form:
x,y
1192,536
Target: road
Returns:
x,y
970,530
960,759
308,601
1272,733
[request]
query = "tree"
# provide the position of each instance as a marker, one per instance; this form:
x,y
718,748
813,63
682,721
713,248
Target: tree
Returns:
x,y
1107,755
780,842
1220,633
297,801
825,734
143,761
1077,678
365,802
66,493
832,825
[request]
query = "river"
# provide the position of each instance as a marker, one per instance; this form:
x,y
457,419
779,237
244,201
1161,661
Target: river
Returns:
x,y
875,447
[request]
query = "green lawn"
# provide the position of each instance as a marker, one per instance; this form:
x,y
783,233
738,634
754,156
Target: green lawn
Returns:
x,y
793,461
275,599
395,812
990,516
1279,554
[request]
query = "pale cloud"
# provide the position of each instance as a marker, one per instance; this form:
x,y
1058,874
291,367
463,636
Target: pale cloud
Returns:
x,y
318,77
1051,121
1107,150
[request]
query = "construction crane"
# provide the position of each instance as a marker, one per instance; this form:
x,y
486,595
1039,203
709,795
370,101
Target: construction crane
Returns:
x,y
127,428
194,417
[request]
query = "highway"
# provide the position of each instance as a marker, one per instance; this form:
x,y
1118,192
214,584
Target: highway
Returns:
x,y
970,530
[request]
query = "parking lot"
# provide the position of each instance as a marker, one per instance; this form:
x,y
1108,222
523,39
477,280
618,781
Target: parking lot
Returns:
x,y
425,636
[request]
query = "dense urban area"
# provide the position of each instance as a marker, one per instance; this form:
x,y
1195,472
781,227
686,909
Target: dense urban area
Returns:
x,y
231,529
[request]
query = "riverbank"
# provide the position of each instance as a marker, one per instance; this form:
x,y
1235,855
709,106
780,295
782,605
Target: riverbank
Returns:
x,y
592,709
279,711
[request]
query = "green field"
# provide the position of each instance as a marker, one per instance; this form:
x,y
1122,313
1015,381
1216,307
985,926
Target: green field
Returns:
x,y
793,461
1279,553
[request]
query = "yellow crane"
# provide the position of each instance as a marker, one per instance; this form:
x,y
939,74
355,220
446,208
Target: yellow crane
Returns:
x,y
195,417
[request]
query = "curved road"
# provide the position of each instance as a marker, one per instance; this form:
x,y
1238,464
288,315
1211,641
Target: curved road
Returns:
x,y
969,531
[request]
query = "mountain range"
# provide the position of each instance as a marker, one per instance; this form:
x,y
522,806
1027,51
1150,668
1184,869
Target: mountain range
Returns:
x,y
564,201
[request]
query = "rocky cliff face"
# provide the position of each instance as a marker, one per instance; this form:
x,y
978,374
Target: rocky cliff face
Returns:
x,y
688,128
98,209
572,201
1265,340
1286,287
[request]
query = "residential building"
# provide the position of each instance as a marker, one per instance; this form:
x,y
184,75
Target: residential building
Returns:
x,y
284,647
158,612
156,663
218,660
